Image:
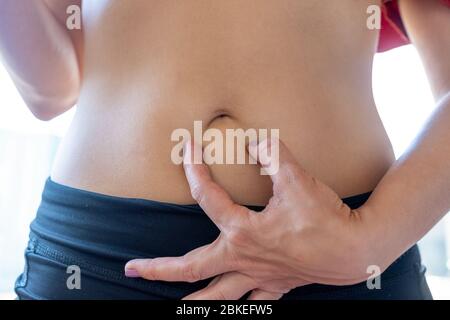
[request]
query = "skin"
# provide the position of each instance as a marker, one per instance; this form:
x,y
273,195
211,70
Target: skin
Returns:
x,y
279,64
46,45
192,61
337,244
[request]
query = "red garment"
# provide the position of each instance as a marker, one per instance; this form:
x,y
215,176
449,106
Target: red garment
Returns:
x,y
393,33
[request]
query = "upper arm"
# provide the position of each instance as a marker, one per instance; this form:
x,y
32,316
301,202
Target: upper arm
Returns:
x,y
59,10
40,56
428,26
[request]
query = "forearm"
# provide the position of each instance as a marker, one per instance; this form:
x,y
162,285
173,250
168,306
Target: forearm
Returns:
x,y
39,55
415,193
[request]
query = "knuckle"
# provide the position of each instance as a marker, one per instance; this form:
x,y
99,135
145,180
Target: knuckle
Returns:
x,y
148,270
197,192
290,177
190,273
292,174
237,236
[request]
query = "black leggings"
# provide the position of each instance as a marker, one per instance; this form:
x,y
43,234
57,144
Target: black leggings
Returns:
x,y
98,234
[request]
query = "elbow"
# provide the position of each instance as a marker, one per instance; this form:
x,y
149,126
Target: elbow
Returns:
x,y
43,114
47,109
51,98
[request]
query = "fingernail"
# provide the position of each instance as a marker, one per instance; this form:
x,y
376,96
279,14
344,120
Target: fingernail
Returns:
x,y
131,273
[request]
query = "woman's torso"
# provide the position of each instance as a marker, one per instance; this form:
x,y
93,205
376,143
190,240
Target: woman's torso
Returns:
x,y
153,66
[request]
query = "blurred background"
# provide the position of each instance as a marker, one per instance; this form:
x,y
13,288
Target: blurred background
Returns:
x,y
28,146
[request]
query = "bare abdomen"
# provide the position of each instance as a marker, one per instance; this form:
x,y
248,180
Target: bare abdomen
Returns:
x,y
302,67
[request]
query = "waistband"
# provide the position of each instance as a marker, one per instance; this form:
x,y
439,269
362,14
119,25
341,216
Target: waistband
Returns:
x,y
125,228
100,233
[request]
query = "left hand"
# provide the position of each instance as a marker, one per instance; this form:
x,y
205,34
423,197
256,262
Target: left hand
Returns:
x,y
306,234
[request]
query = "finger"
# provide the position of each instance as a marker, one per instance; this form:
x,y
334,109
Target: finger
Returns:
x,y
230,286
281,165
211,197
259,294
214,281
202,263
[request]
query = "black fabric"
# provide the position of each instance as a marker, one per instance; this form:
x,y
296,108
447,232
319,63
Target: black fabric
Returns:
x,y
100,233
